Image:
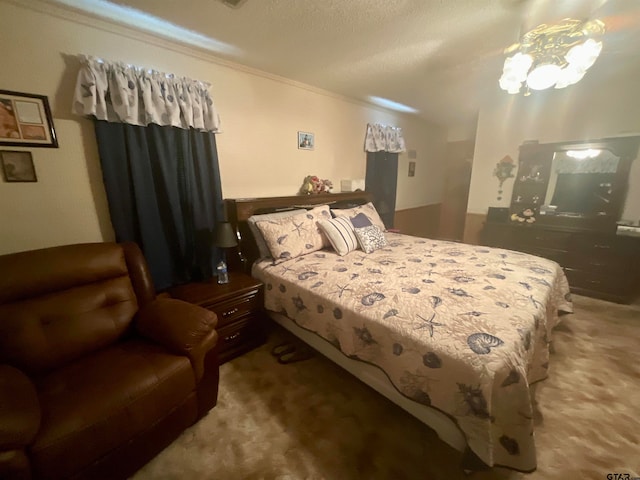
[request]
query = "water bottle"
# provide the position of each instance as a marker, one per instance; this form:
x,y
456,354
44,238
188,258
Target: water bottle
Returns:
x,y
223,275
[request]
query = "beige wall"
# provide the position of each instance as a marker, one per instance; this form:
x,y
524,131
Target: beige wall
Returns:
x,y
587,110
261,115
462,131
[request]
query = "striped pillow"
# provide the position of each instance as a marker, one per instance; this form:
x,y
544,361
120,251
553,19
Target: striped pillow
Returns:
x,y
340,233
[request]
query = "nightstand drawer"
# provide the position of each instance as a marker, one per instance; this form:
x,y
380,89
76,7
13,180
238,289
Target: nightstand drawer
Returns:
x,y
239,336
231,310
238,305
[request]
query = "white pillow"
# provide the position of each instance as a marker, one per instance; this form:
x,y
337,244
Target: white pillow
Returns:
x,y
340,233
291,237
257,234
367,209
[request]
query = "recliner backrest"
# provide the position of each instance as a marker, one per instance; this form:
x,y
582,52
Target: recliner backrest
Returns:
x,y
58,304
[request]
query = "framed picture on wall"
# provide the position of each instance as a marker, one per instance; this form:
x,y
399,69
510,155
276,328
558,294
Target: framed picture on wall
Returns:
x,y
17,166
306,140
26,121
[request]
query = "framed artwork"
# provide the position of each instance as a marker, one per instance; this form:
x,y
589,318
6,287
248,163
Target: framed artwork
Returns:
x,y
18,166
412,169
25,120
306,141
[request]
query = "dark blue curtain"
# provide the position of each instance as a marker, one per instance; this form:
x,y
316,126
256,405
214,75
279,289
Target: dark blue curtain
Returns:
x,y
381,180
164,193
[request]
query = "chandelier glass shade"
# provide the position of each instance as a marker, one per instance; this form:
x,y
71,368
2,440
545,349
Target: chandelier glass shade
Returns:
x,y
552,55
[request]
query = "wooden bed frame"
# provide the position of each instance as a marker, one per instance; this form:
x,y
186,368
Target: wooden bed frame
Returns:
x,y
238,211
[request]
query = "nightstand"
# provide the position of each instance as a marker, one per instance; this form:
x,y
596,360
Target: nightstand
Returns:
x,y
239,306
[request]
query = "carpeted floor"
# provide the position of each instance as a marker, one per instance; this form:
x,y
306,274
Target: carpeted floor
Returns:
x,y
312,420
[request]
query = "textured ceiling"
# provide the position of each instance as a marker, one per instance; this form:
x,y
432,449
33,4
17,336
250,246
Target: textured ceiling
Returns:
x,y
439,57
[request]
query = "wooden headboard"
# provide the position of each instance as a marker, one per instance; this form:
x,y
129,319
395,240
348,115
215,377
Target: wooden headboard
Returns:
x,y
238,210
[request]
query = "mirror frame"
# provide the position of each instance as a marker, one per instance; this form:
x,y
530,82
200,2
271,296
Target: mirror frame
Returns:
x,y
541,154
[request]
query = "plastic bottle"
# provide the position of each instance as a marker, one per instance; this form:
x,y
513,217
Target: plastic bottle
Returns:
x,y
223,275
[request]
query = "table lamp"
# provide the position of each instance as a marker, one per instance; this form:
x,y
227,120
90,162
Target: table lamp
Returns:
x,y
225,237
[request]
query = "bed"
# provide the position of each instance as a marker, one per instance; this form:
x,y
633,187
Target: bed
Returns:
x,y
455,334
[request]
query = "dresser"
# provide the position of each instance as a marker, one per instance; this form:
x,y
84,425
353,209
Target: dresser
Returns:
x,y
239,306
597,264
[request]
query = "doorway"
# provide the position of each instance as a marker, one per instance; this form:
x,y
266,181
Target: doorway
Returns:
x,y
381,180
453,212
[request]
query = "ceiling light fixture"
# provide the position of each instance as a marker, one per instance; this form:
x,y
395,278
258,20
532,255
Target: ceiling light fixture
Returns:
x,y
552,55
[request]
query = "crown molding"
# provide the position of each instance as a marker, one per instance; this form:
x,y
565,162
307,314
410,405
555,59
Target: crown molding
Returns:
x,y
82,17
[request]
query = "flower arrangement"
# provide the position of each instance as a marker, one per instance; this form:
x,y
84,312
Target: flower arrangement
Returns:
x,y
314,185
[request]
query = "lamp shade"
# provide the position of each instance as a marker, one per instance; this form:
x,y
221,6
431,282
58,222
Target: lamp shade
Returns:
x,y
543,76
552,55
225,236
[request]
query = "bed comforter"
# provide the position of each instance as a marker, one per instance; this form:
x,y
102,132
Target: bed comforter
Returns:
x,y
461,328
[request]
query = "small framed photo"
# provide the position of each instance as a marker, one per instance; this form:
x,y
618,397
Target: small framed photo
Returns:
x,y
306,141
26,121
412,169
18,166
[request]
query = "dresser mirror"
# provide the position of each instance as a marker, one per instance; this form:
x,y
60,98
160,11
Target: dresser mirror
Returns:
x,y
575,184
581,183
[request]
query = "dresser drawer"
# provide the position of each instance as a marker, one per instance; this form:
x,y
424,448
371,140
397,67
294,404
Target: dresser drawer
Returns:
x,y
558,256
230,310
595,243
549,239
596,263
619,244
610,262
600,282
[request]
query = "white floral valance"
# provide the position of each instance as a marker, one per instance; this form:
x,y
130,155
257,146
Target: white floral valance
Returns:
x,y
117,92
605,163
384,138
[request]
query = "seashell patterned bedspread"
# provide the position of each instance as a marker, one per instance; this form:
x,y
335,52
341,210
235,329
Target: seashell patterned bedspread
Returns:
x,y
462,328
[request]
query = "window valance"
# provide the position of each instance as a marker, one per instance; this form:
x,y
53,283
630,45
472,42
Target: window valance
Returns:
x,y
121,93
587,165
384,138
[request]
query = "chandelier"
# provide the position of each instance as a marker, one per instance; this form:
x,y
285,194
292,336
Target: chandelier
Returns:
x,y
552,55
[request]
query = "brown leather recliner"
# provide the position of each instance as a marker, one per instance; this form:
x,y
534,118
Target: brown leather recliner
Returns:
x,y
97,375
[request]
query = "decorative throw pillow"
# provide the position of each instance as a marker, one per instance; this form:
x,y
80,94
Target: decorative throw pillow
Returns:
x,y
340,233
291,237
368,209
257,235
360,220
370,238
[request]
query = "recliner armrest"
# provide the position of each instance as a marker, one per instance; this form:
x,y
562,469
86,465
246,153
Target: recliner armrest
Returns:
x,y
181,327
19,409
